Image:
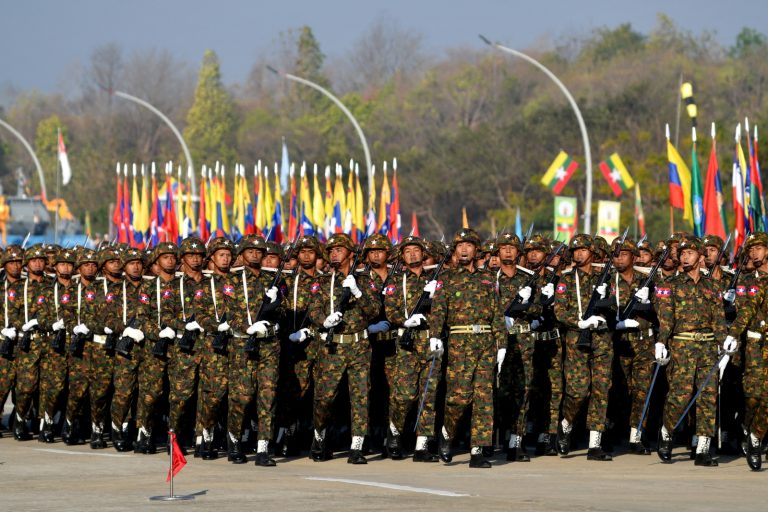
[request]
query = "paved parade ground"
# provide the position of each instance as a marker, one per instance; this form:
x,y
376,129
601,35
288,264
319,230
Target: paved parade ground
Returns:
x,y
38,476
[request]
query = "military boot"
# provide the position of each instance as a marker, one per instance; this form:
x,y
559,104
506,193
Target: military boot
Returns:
x,y
394,445
515,450
564,438
46,432
97,437
754,453
356,457
445,448
235,453
422,453
20,431
121,439
144,442
476,460
67,433
637,443
318,451
595,451
703,457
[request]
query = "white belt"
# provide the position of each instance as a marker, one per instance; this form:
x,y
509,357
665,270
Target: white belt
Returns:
x,y
101,339
754,335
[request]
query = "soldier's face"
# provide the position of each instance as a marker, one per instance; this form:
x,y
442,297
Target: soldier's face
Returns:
x,y
689,258
222,259
624,260
535,258
88,270
307,258
193,261
113,267
64,269
377,257
253,257
413,256
671,262
13,268
757,254
582,256
36,266
338,255
133,269
271,261
710,255
494,262
508,254
465,253
167,262
644,259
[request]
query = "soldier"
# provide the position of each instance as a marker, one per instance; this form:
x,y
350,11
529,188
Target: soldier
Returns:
x,y
587,372
644,253
11,262
690,322
469,305
347,348
415,369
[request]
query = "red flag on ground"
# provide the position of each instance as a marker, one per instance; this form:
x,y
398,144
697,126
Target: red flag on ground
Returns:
x,y
178,461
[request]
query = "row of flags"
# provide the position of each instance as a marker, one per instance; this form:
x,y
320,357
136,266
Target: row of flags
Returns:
x,y
154,209
613,169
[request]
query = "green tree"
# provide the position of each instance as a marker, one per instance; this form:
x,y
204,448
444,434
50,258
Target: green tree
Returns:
x,y
748,41
46,148
608,43
211,121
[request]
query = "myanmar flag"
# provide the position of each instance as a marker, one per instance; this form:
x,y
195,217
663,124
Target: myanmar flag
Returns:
x,y
616,175
559,172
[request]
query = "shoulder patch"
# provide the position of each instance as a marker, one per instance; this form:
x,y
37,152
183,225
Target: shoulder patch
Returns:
x,y
200,293
110,297
439,285
374,287
315,287
741,290
40,299
752,290
561,288
167,293
64,299
90,295
228,290
664,292
144,298
11,295
390,289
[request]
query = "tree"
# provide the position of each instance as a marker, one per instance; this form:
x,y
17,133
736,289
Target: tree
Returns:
x,y
608,43
211,121
748,41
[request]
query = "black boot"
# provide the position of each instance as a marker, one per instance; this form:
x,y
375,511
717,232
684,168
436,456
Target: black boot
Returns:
x,y
704,459
208,451
563,440
20,431
235,453
142,443
664,451
640,448
317,451
394,445
754,455
263,459
356,457
445,449
289,446
478,461
97,440
598,454
424,456
46,433
67,433
120,440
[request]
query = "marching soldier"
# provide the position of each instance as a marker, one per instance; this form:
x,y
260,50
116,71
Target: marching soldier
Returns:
x,y
644,253
11,262
469,305
344,307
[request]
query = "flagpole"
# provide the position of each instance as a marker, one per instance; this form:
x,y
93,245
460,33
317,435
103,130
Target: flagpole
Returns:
x,y
31,152
58,173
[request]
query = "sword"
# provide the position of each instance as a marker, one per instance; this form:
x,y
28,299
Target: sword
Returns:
x,y
701,388
648,398
424,396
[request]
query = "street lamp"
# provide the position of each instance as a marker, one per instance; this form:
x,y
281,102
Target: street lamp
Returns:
x,y
31,153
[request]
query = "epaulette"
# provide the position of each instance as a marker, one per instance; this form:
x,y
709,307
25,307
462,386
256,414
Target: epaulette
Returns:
x,y
525,270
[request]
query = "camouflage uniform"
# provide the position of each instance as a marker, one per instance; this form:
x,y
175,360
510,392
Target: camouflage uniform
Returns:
x,y
8,344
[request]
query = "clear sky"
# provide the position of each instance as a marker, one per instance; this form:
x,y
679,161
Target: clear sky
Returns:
x,y
42,40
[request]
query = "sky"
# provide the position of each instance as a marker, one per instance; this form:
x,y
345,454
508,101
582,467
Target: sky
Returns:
x,y
41,42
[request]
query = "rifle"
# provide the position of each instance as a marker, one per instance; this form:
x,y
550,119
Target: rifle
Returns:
x,y
6,347
59,340
76,344
720,254
730,307
585,335
125,343
346,295
110,342
219,343
25,343
517,300
406,340
189,338
629,308
160,347
267,306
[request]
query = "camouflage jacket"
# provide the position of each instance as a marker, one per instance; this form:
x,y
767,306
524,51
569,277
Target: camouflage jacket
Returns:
x,y
401,293
183,303
687,306
572,295
28,298
326,289
298,297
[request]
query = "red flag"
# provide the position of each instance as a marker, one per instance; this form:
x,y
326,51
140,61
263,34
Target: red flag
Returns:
x,y
394,211
713,221
127,215
178,461
414,225
202,221
117,215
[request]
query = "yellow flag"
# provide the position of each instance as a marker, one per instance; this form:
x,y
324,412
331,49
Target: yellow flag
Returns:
x,y
464,221
318,211
359,217
385,198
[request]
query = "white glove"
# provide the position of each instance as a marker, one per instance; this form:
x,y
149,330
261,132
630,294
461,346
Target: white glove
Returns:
x,y
661,354
27,326
300,335
548,290
415,320
57,325
107,330
722,364
333,320
535,324
378,327
223,327
642,295
81,329
591,323
193,326
525,294
730,295
272,294
430,288
349,282
500,356
730,344
261,327
167,333
135,334
602,290
629,323
436,346
509,322
9,332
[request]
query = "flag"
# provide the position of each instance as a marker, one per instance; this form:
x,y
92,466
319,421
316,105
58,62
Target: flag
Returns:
x,y
202,220
386,195
755,198
138,239
616,175
464,220
66,170
117,214
697,197
178,461
639,214
414,225
756,170
285,167
156,215
144,213
293,212
277,217
394,214
358,218
565,219
318,211
518,225
170,223
714,218
679,183
559,172
127,212
608,216
737,185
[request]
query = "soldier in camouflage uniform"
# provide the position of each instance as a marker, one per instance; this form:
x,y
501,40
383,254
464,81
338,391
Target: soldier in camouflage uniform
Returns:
x,y
469,305
587,372
690,323
11,262
347,347
415,369
645,253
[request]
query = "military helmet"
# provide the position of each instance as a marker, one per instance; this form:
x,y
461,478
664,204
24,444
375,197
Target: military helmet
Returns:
x,y
508,239
274,248
413,240
691,242
132,255
756,238
107,254
252,242
713,241
661,246
35,251
220,243
467,235
377,241
308,242
645,245
192,245
340,240
87,256
65,256
437,249
489,247
12,253
600,244
628,245
581,241
163,248
51,248
536,243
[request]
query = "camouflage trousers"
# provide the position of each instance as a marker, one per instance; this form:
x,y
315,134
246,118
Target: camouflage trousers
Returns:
x,y
547,393
515,384
408,381
253,374
7,376
214,379
183,379
125,378
77,384
101,365
53,376
354,359
382,375
297,374
469,378
152,373
636,360
28,375
690,363
755,383
588,378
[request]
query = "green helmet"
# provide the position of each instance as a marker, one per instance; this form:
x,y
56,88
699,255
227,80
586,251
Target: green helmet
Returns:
x,y
220,243
756,238
192,245
581,241
467,235
340,240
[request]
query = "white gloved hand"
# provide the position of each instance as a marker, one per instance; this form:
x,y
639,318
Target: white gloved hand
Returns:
x,y
193,326
591,323
261,327
509,322
81,329
107,330
602,290
549,290
722,364
58,325
333,320
9,332
525,294
223,327
135,334
661,354
535,324
501,354
300,335
730,295
27,326
378,327
167,333
430,288
629,323
272,294
730,345
642,295
415,321
436,346
349,282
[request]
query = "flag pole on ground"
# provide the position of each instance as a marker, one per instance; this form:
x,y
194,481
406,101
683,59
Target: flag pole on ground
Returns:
x,y
177,461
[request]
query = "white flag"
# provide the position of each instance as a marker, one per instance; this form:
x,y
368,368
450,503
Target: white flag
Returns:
x,y
66,170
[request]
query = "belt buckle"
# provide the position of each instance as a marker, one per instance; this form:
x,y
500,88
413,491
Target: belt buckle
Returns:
x,y
697,336
475,329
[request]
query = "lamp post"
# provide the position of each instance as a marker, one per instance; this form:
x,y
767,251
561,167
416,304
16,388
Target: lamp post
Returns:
x,y
31,153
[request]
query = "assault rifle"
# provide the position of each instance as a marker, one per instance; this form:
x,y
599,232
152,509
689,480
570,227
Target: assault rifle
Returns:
x,y
406,340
